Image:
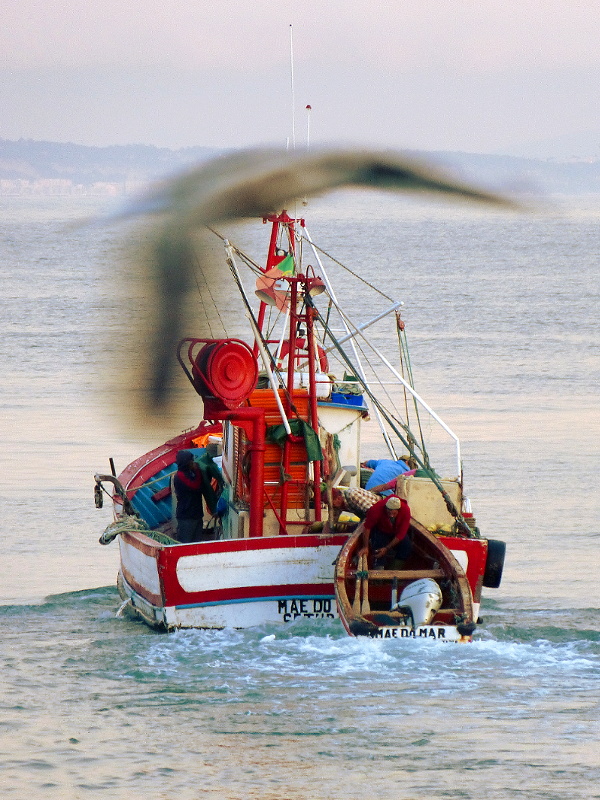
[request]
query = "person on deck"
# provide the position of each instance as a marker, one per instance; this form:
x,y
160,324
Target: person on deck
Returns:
x,y
385,530
385,470
395,486
189,486
212,477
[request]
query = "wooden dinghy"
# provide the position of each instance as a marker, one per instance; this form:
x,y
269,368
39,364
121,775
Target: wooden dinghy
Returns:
x,y
427,596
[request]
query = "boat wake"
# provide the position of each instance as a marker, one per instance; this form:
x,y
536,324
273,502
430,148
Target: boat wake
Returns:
x,y
263,656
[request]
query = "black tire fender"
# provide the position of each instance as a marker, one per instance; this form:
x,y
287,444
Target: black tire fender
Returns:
x,y
494,563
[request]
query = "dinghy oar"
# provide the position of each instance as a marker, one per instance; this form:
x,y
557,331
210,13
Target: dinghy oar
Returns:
x,y
365,605
357,590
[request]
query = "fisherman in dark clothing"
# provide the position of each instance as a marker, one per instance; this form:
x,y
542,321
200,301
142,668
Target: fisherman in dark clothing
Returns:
x,y
189,490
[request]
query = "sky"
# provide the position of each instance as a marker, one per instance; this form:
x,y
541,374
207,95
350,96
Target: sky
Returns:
x,y
496,76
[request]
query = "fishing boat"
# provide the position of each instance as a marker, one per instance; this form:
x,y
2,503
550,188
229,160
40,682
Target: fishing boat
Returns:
x,y
291,412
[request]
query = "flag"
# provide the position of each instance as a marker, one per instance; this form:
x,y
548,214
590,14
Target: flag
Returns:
x,y
271,289
286,266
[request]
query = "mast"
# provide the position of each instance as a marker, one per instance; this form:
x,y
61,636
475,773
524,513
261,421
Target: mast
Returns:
x,y
300,312
292,88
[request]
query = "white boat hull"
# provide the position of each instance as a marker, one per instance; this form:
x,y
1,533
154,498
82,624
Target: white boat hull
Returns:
x,y
232,583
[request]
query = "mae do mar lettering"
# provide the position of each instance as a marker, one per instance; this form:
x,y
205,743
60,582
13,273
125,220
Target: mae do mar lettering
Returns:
x,y
424,632
324,608
316,607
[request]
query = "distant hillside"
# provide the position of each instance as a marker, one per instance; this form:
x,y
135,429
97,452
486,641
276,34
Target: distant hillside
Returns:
x,y
50,167
29,160
530,175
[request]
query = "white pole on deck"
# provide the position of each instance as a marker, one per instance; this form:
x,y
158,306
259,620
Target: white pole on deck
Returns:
x,y
331,293
410,389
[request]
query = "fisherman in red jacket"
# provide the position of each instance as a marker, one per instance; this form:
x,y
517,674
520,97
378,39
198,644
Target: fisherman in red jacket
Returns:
x,y
188,487
385,530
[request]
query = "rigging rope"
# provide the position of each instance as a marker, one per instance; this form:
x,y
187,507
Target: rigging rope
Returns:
x,y
407,442
405,359
343,266
407,438
199,268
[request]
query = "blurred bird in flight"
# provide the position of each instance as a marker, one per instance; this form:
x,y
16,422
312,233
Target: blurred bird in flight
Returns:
x,y
251,183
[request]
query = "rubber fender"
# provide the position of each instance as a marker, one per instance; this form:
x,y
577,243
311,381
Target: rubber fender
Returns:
x,y
494,564
466,628
362,628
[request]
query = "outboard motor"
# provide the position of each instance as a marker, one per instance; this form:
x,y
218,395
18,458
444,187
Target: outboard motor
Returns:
x,y
424,598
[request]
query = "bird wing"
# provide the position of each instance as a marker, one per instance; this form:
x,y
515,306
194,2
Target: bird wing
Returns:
x,y
252,183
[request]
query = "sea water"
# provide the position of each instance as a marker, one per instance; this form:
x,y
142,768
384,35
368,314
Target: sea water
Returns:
x,y
502,318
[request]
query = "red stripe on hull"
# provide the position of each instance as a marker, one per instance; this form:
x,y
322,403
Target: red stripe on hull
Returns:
x,y
476,550
153,599
152,548
144,544
167,557
299,590
257,543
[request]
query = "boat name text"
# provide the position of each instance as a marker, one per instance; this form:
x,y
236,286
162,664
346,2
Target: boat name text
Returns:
x,y
296,607
432,632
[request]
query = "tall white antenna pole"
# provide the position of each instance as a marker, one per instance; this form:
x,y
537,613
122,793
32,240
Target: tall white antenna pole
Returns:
x,y
308,110
292,87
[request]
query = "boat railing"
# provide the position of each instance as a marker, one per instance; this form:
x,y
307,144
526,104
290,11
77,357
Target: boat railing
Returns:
x,y
119,490
421,402
357,360
352,331
359,331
